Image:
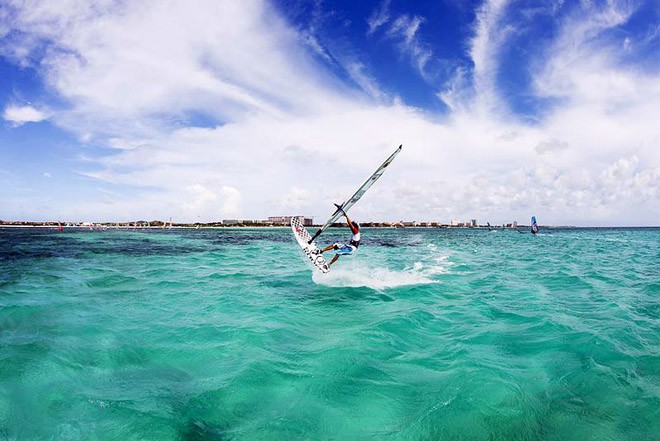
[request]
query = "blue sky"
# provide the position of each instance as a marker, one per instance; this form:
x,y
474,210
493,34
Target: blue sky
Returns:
x,y
208,110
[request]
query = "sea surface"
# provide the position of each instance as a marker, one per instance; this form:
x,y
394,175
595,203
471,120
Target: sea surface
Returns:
x,y
423,334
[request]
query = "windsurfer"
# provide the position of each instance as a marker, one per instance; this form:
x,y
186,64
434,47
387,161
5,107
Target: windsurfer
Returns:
x,y
343,249
535,227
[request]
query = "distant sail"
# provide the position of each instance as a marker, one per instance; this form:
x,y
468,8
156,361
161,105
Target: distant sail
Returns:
x,y
358,194
535,227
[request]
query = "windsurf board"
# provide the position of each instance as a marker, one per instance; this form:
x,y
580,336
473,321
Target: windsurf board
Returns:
x,y
308,246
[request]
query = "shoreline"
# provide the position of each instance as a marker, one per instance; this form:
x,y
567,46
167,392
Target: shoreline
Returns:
x,y
102,227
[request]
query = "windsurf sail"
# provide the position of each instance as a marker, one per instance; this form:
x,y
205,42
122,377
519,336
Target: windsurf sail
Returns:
x,y
535,227
341,209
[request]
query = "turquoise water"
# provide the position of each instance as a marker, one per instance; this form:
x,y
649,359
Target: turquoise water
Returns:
x,y
422,335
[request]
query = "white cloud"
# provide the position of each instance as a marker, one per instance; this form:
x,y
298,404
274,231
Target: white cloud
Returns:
x,y
127,144
406,27
379,17
129,62
404,31
313,42
358,72
231,205
579,65
225,202
490,33
456,93
296,199
201,197
553,145
19,115
286,135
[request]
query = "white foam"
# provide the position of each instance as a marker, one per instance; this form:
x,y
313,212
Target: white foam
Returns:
x,y
437,266
375,278
361,274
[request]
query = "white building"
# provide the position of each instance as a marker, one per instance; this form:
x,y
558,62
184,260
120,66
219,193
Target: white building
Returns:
x,y
286,220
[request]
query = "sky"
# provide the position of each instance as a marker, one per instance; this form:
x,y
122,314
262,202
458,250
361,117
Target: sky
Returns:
x,y
207,110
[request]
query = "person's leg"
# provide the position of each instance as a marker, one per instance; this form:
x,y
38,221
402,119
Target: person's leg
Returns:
x,y
334,259
334,246
328,248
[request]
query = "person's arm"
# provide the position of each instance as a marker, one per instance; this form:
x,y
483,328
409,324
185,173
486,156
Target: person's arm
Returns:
x,y
350,223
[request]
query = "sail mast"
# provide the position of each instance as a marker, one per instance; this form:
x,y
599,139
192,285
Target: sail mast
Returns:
x,y
358,194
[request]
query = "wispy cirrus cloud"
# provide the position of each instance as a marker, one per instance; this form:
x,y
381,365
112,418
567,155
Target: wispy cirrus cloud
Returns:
x,y
491,31
403,30
339,55
379,17
582,63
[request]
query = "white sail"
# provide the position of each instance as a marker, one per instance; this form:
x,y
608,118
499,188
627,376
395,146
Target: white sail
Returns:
x,y
358,194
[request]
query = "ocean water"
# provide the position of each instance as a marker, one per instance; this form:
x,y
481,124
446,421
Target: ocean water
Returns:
x,y
422,335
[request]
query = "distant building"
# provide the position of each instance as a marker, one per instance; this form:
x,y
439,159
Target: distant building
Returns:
x,y
515,224
286,220
454,223
473,223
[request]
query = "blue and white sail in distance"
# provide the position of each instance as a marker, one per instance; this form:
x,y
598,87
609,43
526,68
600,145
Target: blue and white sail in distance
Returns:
x,y
535,227
341,209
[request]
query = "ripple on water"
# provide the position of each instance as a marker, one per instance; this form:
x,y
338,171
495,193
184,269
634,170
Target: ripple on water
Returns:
x,y
423,334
